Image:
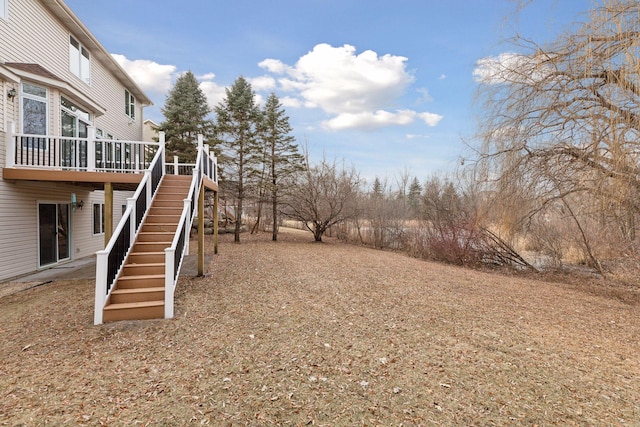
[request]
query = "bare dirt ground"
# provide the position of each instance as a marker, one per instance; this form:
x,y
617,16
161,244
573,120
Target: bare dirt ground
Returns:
x,y
298,333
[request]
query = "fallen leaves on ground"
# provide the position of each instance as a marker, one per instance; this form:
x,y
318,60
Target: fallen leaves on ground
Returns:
x,y
299,333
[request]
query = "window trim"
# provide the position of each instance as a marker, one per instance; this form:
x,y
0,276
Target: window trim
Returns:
x,y
45,100
79,114
129,104
4,9
76,54
93,220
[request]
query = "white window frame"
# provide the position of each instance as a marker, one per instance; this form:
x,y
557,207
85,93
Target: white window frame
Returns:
x,y
93,220
41,144
79,114
129,105
79,60
4,9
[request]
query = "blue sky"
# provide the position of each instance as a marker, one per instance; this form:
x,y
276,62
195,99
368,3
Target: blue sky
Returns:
x,y
387,86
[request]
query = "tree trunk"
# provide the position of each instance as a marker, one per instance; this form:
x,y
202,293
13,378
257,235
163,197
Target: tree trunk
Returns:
x,y
256,226
274,231
236,237
318,232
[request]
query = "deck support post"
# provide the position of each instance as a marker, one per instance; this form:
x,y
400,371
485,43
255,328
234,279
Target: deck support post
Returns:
x,y
215,222
201,230
108,212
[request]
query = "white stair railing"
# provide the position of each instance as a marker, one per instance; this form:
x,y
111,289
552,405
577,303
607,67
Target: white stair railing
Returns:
x,y
110,260
205,165
174,254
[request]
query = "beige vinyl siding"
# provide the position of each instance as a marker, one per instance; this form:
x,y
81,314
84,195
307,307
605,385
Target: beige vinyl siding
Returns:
x,y
6,113
4,101
32,34
32,25
7,110
19,251
86,242
3,154
115,121
19,222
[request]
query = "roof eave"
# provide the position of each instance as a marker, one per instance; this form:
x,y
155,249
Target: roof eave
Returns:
x,y
69,19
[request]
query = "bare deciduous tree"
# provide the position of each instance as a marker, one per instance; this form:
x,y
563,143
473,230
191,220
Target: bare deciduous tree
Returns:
x,y
322,196
561,125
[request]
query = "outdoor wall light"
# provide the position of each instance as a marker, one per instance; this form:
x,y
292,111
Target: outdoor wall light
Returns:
x,y
11,93
75,204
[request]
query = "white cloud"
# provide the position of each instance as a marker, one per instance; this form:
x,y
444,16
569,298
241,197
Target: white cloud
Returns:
x,y
288,101
262,83
274,66
356,89
258,99
214,92
416,136
339,81
510,68
425,96
153,78
431,119
377,119
208,76
442,77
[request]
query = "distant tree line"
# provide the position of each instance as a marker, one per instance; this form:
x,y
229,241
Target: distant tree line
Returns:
x,y
554,179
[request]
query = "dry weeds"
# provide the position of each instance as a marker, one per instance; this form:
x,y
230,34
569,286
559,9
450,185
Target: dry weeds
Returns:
x,y
297,333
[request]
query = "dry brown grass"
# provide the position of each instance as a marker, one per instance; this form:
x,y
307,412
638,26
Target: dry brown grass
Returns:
x,y
297,333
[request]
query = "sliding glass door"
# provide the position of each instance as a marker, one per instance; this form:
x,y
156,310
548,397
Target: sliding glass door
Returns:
x,y
53,233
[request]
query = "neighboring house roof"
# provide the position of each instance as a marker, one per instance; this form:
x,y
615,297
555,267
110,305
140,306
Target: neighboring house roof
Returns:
x,y
39,73
151,123
80,31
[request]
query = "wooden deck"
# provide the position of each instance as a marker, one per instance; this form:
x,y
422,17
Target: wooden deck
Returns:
x,y
120,181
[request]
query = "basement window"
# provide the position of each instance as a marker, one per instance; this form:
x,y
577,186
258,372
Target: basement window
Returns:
x,y
98,218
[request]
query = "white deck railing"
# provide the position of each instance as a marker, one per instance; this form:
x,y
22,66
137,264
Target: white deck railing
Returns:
x,y
206,165
89,154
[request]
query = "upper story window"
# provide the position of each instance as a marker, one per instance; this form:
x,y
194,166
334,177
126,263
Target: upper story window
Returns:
x,y
79,60
129,105
35,109
74,120
4,6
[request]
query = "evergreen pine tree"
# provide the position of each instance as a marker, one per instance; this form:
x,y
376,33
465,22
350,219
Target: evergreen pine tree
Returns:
x,y
238,120
415,189
185,111
377,190
281,152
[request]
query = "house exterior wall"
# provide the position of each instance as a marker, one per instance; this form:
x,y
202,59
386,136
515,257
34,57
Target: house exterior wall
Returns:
x,y
19,216
34,34
150,130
